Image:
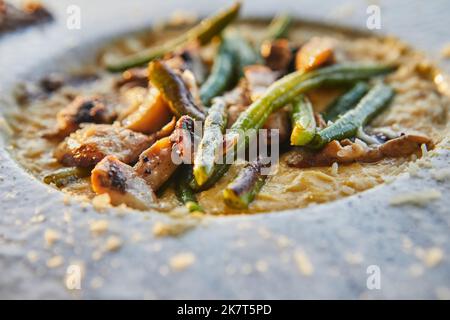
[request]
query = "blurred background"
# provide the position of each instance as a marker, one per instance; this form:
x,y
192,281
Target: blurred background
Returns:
x,y
421,23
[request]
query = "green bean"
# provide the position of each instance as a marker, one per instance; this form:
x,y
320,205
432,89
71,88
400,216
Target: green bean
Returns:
x,y
286,90
184,192
347,125
289,87
243,52
235,53
174,90
303,122
278,27
211,142
218,172
64,176
345,102
203,32
221,74
243,189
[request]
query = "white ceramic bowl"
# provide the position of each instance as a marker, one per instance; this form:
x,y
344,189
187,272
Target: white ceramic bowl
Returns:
x,y
255,256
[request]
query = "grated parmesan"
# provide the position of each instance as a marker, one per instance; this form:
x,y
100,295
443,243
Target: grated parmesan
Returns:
x,y
441,175
55,262
173,229
334,169
51,236
181,261
113,243
423,148
101,202
445,51
304,265
419,198
98,227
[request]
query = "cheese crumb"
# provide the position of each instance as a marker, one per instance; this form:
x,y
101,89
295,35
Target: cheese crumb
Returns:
x,y
334,169
441,175
413,169
161,229
113,243
419,198
304,265
55,262
445,51
423,148
433,257
283,241
101,202
182,261
51,236
37,218
98,227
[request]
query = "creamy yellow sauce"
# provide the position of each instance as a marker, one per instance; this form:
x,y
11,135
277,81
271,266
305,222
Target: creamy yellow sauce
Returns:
x,y
418,106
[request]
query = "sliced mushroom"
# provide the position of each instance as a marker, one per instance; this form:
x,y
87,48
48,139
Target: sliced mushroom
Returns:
x,y
159,162
277,54
150,116
155,164
92,109
278,122
315,53
347,151
90,144
122,184
259,78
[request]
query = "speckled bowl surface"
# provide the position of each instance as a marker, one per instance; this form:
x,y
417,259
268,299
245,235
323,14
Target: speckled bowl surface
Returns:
x,y
322,251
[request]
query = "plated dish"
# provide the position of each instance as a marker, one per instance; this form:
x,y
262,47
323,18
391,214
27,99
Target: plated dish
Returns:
x,y
346,112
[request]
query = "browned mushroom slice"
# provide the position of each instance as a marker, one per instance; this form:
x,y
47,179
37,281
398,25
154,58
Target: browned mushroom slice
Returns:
x,y
167,129
237,101
90,144
122,184
277,54
278,122
155,164
259,78
347,151
315,53
405,145
159,162
82,110
150,116
233,113
184,139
